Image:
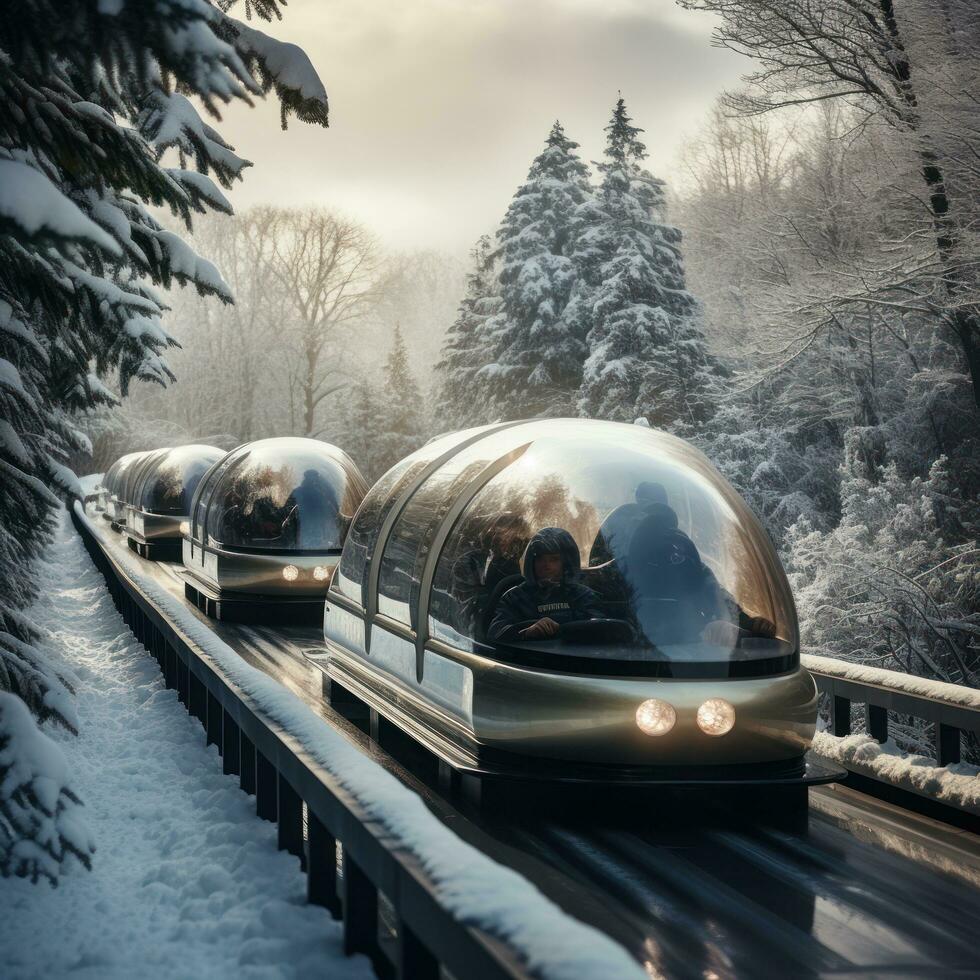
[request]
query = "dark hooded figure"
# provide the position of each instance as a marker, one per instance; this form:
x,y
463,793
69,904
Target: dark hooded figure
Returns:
x,y
312,514
616,533
676,597
549,596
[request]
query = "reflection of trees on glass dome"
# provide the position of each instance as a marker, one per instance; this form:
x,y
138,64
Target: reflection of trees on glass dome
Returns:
x,y
168,486
282,495
679,567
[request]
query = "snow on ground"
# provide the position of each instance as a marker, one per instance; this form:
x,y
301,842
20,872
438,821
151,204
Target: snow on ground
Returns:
x,y
477,889
958,785
186,881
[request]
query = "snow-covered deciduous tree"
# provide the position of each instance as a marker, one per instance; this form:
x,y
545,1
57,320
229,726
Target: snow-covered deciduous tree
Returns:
x,y
911,65
646,352
326,265
534,365
897,583
96,125
463,399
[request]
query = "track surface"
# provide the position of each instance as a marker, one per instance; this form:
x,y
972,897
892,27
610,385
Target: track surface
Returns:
x,y
865,889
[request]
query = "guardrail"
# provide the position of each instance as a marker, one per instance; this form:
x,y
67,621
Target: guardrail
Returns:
x,y
952,709
314,815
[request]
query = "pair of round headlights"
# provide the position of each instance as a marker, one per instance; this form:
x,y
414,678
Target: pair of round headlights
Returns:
x,y
715,717
321,573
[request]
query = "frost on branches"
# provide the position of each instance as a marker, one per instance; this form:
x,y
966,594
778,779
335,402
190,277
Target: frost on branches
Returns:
x,y
534,357
96,126
581,308
462,399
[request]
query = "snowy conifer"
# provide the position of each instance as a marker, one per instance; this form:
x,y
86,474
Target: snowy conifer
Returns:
x,y
462,399
400,417
536,358
92,97
647,356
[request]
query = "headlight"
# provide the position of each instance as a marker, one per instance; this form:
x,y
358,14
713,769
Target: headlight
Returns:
x,y
290,573
716,717
321,573
185,528
655,717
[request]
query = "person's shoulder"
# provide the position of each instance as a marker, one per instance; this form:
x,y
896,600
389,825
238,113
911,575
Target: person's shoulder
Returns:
x,y
578,590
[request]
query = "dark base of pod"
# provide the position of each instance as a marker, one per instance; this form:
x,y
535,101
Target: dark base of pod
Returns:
x,y
255,610
157,550
774,795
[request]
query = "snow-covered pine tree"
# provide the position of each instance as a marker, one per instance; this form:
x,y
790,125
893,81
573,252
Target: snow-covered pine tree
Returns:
x,y
401,421
534,366
647,355
462,400
92,98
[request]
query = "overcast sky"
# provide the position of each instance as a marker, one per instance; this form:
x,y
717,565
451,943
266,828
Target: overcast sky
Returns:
x,y
437,107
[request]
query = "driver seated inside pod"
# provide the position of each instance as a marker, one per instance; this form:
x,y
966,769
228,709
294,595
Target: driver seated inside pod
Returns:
x,y
549,596
675,597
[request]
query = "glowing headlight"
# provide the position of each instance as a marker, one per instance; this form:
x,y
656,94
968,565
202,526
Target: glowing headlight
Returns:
x,y
321,573
716,717
290,573
185,528
655,717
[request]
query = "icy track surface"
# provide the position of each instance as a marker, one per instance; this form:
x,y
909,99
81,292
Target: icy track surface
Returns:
x,y
186,881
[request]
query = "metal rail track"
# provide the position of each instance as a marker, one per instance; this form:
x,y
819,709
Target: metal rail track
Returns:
x,y
866,888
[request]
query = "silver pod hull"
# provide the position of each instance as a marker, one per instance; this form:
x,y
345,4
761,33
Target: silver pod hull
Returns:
x,y
480,715
232,573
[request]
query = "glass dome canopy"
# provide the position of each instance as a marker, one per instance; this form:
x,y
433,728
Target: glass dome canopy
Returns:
x,y
133,477
168,481
285,495
116,473
674,566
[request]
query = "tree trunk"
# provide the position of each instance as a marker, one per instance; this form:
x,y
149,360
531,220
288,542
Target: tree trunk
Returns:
x,y
964,324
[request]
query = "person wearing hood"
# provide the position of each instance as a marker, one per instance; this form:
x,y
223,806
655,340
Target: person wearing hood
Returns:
x,y
549,596
616,534
677,597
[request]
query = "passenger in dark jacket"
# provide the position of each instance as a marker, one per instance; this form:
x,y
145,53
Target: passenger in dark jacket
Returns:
x,y
549,596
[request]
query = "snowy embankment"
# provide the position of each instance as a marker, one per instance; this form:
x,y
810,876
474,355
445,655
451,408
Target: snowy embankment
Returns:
x,y
476,889
958,784
185,880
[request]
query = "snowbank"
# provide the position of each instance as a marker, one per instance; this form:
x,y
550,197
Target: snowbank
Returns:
x,y
955,694
186,882
476,889
957,785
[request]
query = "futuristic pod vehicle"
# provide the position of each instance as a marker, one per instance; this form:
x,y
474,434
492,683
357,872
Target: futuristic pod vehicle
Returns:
x,y
267,524
162,497
115,485
673,654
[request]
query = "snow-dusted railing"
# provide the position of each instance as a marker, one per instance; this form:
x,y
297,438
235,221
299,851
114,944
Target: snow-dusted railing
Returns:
x,y
947,789
455,911
952,708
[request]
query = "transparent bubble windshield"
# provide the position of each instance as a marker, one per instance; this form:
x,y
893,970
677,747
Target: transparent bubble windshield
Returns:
x,y
651,556
169,487
280,498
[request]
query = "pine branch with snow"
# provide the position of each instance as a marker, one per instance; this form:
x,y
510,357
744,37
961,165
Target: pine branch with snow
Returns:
x,y
94,101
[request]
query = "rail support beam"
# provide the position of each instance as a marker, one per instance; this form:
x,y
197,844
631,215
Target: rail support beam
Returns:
x,y
214,724
246,776
266,788
947,744
415,962
290,820
230,745
360,911
878,723
840,716
321,882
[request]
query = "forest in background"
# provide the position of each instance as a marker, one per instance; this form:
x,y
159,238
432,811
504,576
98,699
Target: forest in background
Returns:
x,y
803,314
800,298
